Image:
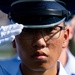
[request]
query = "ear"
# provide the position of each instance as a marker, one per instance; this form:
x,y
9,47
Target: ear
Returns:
x,y
66,38
13,44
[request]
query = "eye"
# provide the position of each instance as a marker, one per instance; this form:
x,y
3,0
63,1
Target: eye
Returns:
x,y
27,30
56,29
50,29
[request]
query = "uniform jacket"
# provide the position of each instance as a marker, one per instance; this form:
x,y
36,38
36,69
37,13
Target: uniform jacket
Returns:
x,y
3,71
11,65
61,70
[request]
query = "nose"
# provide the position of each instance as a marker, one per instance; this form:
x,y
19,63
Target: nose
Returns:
x,y
39,41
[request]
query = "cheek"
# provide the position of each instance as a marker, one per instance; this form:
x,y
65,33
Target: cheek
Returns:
x,y
59,46
55,48
23,46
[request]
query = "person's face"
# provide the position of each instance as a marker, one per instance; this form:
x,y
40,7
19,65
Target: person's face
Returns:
x,y
38,53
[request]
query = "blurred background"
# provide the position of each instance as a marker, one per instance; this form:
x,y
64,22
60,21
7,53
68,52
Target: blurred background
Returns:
x,y
6,51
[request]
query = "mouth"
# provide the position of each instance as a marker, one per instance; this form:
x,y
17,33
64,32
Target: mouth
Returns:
x,y
40,56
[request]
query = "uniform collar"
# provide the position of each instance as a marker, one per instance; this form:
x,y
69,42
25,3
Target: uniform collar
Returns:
x,y
61,70
19,71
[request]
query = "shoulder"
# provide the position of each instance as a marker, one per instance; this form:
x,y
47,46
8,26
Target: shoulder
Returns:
x,y
10,64
3,71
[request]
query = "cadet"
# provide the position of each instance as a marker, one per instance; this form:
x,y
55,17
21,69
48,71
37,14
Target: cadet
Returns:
x,y
44,35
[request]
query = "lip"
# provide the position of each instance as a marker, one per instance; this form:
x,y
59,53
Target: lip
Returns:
x,y
40,56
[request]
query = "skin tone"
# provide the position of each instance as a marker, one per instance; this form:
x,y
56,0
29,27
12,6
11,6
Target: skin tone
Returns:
x,y
39,57
63,57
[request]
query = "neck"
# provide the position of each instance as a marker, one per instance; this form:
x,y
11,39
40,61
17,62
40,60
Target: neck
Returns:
x,y
27,71
64,57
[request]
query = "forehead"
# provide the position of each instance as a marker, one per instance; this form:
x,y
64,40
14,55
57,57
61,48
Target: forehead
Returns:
x,y
62,24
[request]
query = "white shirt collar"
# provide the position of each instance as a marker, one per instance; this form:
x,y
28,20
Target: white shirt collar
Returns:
x,y
61,69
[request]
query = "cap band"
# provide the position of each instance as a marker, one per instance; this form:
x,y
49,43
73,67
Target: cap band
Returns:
x,y
43,26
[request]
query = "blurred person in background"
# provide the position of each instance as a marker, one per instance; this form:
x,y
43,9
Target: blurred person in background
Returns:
x,y
67,56
72,41
71,7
